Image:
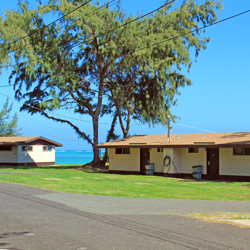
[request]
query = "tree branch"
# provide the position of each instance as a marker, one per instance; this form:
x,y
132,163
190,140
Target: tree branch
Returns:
x,y
82,134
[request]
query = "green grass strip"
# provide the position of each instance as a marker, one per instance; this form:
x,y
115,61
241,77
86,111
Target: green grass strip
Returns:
x,y
66,179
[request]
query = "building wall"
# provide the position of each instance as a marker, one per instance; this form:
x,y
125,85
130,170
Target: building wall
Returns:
x,y
191,159
157,159
169,152
233,164
124,162
229,164
36,155
9,156
177,159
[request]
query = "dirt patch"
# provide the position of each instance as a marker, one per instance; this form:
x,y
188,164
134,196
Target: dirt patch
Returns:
x,y
226,217
94,170
139,183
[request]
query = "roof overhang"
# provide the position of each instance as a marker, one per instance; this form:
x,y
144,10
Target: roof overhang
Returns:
x,y
33,139
177,146
44,139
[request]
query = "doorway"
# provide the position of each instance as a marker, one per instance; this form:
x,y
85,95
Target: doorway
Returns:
x,y
213,162
144,159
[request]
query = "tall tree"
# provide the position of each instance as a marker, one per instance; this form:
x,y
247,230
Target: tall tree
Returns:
x,y
74,62
146,91
8,122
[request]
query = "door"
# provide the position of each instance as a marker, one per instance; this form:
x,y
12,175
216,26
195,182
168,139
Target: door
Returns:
x,y
144,159
213,162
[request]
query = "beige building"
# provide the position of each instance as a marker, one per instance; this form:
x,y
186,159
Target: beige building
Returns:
x,y
27,151
220,155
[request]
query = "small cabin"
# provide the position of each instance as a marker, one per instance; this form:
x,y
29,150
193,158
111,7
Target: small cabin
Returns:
x,y
27,151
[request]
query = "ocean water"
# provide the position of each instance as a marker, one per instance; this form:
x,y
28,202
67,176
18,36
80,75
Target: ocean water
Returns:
x,y
75,156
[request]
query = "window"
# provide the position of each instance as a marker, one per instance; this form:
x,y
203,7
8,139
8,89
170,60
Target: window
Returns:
x,y
122,151
47,148
5,148
193,150
126,151
241,151
27,148
118,151
159,150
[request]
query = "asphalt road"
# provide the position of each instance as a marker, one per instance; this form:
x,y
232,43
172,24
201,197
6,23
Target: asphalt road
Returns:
x,y
30,219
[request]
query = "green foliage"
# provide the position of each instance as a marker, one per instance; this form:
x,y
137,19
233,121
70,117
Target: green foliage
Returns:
x,y
8,122
75,62
102,158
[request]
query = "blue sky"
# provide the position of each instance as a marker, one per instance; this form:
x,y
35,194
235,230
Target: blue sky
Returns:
x,y
217,101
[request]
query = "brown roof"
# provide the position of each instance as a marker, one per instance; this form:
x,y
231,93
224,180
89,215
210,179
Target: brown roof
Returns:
x,y
184,140
19,140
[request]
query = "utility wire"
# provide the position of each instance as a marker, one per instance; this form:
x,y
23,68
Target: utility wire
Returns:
x,y
3,86
51,111
129,22
100,34
62,138
37,30
171,38
135,124
231,17
104,95
194,128
88,15
46,126
204,27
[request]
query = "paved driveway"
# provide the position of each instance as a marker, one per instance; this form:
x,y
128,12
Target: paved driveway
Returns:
x,y
119,205
33,218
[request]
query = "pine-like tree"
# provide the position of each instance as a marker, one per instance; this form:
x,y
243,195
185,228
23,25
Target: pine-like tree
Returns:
x,y
73,63
8,121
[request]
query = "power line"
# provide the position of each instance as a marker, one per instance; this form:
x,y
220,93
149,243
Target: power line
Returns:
x,y
93,12
51,135
42,125
130,21
204,27
52,112
37,30
100,34
101,122
3,86
194,128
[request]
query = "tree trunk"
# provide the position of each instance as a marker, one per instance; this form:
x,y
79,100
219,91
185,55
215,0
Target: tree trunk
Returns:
x,y
105,157
96,161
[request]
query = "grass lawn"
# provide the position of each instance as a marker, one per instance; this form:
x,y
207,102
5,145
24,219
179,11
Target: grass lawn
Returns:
x,y
68,180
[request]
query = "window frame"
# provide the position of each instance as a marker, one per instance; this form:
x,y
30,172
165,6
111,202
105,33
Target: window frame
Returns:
x,y
122,151
27,148
5,148
243,151
193,150
118,151
159,150
46,148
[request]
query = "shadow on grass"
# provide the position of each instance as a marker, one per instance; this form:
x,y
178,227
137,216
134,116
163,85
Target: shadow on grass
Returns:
x,y
56,167
84,168
91,170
